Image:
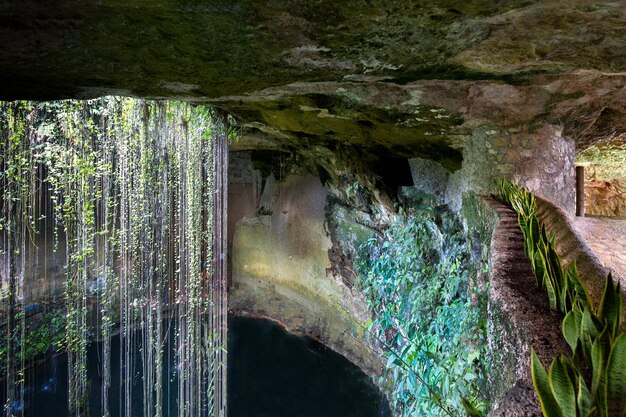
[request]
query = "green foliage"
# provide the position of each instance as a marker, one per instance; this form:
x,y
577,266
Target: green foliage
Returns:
x,y
130,187
598,345
606,161
417,284
17,225
40,338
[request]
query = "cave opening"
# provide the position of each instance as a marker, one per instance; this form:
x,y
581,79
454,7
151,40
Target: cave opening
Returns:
x,y
116,207
115,269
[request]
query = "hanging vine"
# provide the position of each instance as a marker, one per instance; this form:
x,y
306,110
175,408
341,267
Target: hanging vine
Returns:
x,y
136,191
19,184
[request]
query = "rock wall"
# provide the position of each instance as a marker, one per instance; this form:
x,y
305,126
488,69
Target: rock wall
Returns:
x,y
429,177
542,160
292,253
44,277
605,198
605,177
284,266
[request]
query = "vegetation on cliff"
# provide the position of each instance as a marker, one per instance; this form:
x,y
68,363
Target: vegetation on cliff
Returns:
x,y
428,316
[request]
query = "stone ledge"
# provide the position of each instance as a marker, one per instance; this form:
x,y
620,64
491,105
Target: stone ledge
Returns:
x,y
519,317
607,237
572,246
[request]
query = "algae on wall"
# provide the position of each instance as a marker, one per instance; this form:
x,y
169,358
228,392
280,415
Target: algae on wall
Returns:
x,y
605,178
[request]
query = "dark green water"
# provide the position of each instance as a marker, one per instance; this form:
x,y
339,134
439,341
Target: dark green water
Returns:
x,y
271,373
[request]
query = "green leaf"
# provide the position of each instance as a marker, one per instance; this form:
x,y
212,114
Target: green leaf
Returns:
x,y
591,413
616,378
588,327
576,283
473,356
610,308
571,328
583,398
469,408
552,296
555,261
534,228
540,268
564,299
585,345
543,233
562,387
597,368
541,382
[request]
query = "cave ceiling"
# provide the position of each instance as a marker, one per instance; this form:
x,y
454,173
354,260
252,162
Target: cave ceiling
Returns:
x,y
412,77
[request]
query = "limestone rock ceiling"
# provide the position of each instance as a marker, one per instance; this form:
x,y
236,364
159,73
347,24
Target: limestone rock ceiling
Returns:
x,y
430,118
413,77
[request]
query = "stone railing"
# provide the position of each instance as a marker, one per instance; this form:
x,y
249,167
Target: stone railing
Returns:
x,y
572,247
519,317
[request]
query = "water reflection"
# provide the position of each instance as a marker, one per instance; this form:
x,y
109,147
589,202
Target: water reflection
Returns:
x,y
270,374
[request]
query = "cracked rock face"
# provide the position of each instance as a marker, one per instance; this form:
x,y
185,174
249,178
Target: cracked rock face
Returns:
x,y
411,78
431,119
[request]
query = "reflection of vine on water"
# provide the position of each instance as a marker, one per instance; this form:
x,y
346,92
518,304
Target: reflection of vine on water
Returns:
x,y
129,188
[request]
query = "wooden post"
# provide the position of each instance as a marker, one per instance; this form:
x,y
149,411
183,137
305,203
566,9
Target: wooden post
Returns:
x,y
580,191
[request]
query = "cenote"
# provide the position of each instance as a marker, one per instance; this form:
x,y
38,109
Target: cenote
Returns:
x,y
406,186
299,208
130,231
271,373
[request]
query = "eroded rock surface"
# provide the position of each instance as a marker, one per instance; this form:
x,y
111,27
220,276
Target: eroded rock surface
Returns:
x,y
410,76
293,244
432,118
606,198
607,238
215,47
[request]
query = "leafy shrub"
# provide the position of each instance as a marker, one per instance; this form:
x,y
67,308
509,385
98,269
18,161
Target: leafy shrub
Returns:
x,y
592,381
416,282
40,337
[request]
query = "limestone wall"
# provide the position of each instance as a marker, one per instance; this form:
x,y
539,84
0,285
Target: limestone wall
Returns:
x,y
542,160
282,269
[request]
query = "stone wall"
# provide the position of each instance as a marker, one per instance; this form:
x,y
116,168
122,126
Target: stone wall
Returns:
x,y
542,160
519,317
572,247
